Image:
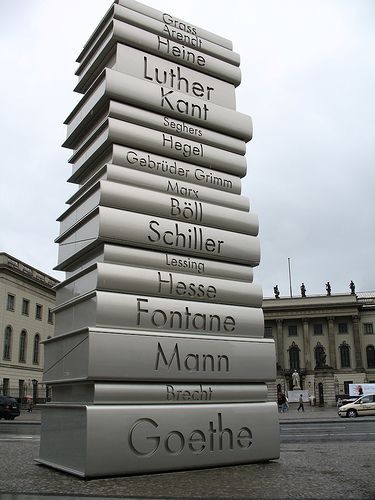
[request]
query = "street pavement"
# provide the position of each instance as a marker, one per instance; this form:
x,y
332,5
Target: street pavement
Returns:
x,y
311,413
326,470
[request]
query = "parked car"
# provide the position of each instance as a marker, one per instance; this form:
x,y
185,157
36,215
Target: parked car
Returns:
x,y
9,408
365,405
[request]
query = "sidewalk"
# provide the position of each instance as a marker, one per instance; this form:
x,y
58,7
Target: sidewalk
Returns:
x,y
316,413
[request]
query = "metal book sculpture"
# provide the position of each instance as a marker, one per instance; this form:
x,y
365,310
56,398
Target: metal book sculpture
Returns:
x,y
158,362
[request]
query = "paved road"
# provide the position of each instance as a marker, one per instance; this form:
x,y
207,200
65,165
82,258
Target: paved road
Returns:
x,y
348,431
358,430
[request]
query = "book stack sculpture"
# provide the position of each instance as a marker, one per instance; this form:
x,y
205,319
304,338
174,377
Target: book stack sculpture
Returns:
x,y
158,362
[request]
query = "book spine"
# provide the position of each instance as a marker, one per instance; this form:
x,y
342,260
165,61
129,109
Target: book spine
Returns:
x,y
114,310
136,178
175,34
163,100
152,438
161,166
177,127
149,67
155,121
134,199
176,22
156,283
156,393
129,228
172,146
175,169
130,256
123,355
156,98
157,45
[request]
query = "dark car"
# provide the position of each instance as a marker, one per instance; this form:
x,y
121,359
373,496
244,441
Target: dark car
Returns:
x,y
9,408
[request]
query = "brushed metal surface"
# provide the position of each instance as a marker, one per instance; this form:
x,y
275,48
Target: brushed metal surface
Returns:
x,y
144,356
171,32
124,33
157,393
159,16
120,310
145,180
138,199
105,440
149,119
161,166
170,20
157,283
129,228
135,92
153,141
162,261
152,68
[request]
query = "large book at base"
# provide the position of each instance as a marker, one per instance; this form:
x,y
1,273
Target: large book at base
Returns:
x,y
110,440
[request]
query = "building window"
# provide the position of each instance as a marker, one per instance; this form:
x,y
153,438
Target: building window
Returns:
x,y
36,349
343,327
320,356
10,302
38,311
345,355
318,329
368,328
6,386
268,332
292,330
21,388
7,351
25,306
294,356
370,354
50,316
23,342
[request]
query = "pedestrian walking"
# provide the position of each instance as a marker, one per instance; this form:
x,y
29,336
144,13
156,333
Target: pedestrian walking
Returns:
x,y
285,406
301,407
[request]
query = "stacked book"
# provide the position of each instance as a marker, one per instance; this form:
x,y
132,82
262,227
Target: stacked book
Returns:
x,y
158,361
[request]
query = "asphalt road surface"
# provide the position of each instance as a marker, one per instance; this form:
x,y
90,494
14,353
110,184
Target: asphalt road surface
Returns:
x,y
349,431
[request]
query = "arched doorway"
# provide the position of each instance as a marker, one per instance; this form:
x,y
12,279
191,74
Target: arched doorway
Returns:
x,y
321,394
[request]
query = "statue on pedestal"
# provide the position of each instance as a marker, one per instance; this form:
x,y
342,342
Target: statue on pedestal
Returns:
x,y
276,292
303,290
328,288
352,287
296,380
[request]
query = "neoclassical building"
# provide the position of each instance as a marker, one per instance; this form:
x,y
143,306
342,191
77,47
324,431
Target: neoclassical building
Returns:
x,y
328,339
26,319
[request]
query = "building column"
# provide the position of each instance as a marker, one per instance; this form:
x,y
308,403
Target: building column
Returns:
x,y
280,343
332,344
306,344
357,344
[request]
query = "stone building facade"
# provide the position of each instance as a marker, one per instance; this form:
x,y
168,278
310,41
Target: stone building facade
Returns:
x,y
328,339
27,299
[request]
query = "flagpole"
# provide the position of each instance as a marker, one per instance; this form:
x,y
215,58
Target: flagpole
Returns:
x,y
290,279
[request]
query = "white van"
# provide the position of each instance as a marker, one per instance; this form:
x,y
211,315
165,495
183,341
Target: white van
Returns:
x,y
365,405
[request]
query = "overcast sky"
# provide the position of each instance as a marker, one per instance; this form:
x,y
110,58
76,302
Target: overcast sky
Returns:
x,y
308,82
